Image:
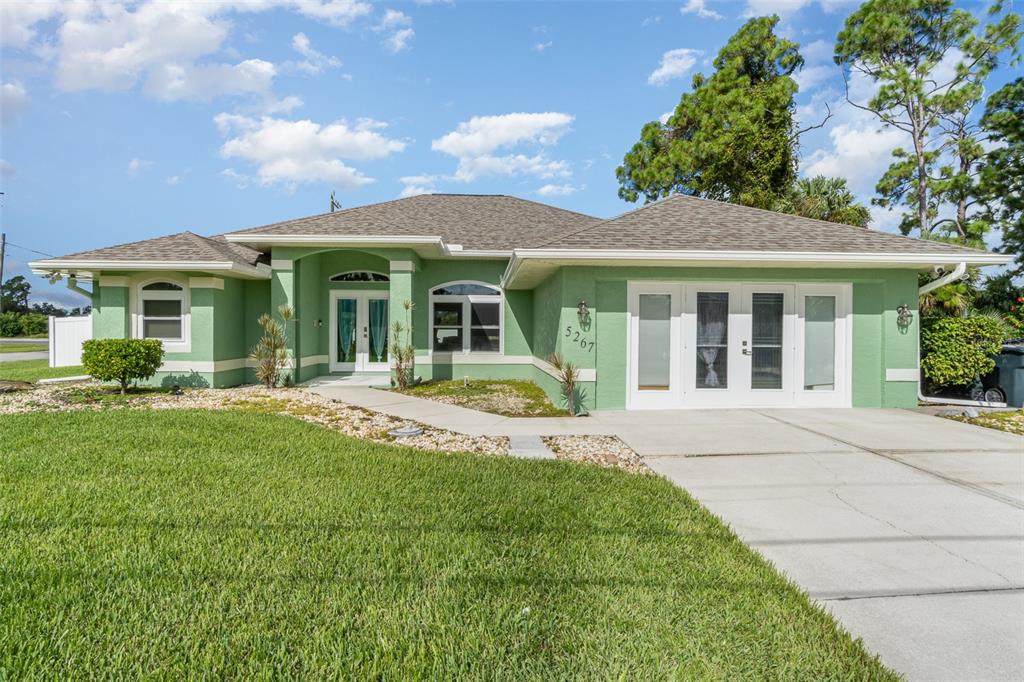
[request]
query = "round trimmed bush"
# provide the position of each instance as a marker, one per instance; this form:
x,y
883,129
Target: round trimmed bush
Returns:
x,y
122,360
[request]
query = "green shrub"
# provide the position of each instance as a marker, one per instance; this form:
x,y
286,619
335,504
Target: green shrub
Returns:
x,y
10,323
122,360
33,324
958,349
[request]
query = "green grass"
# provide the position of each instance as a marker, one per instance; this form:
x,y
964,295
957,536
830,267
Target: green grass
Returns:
x,y
34,370
511,397
23,347
184,544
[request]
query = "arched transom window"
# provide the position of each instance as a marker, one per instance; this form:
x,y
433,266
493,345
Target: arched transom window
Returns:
x,y
163,311
360,276
466,317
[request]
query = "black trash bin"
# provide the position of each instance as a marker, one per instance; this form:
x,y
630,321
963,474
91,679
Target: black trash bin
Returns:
x,y
1009,373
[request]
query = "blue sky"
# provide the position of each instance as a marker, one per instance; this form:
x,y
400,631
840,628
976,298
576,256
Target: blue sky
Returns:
x,y
128,121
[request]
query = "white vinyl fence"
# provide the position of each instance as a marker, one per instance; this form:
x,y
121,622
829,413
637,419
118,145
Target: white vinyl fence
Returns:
x,y
66,337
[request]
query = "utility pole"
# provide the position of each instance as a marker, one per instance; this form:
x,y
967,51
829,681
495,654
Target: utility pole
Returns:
x,y
3,247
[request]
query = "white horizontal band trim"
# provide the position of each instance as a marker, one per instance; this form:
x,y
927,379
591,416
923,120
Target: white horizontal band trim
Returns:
x,y
81,267
205,283
912,374
586,374
314,360
403,266
281,263
113,281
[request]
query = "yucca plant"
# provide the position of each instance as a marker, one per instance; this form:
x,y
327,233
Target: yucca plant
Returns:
x,y
271,352
568,375
403,352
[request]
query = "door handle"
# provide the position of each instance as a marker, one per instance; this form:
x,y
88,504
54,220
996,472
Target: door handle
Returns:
x,y
364,332
747,351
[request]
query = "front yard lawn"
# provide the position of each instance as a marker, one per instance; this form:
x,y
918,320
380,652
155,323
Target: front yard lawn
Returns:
x,y
186,543
34,370
22,347
508,397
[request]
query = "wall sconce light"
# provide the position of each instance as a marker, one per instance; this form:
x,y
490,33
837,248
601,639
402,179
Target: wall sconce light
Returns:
x,y
903,316
318,323
583,314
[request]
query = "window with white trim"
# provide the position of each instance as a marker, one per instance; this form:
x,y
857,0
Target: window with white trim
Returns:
x,y
360,276
466,317
162,307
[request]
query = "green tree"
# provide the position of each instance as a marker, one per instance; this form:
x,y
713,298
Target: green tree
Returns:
x,y
1001,183
15,293
904,47
824,198
734,136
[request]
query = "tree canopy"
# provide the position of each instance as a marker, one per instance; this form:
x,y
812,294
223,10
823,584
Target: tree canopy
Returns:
x,y
824,198
1001,182
733,137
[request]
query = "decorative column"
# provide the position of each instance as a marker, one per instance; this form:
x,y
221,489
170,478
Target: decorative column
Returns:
x,y
400,293
284,291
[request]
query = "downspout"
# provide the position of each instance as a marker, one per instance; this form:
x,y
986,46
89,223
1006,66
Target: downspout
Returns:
x,y
954,276
73,285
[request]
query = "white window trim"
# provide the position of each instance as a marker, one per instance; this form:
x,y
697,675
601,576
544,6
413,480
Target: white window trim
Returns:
x,y
467,319
331,280
183,345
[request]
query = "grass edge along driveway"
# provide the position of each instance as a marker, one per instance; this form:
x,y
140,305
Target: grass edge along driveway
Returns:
x,y
34,370
176,544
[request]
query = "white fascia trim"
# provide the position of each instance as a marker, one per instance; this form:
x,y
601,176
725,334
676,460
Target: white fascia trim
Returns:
x,y
281,263
451,251
56,265
402,266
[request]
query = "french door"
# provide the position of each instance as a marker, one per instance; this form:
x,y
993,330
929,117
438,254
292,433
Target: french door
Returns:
x,y
359,331
725,344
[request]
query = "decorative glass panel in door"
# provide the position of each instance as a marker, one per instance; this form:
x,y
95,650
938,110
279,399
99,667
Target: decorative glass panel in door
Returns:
x,y
766,313
378,349
819,343
346,351
654,342
712,339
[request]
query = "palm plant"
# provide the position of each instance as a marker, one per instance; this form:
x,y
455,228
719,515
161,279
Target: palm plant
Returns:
x,y
568,375
824,198
403,352
271,352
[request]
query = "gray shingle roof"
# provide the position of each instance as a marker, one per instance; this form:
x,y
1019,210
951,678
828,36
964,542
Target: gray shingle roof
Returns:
x,y
686,223
491,222
183,246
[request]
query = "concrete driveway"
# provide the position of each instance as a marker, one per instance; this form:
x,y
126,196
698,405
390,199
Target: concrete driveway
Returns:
x,y
908,528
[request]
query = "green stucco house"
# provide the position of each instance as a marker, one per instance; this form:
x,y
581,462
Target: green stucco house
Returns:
x,y
682,303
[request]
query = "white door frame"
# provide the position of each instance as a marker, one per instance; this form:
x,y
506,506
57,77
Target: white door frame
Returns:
x,y
654,400
362,361
683,392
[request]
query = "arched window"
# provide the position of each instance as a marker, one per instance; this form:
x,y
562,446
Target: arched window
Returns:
x,y
162,308
360,276
466,317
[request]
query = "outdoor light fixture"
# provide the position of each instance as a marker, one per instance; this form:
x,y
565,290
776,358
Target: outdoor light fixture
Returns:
x,y
583,313
903,316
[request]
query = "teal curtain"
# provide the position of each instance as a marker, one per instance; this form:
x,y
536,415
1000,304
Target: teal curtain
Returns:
x,y
346,330
379,327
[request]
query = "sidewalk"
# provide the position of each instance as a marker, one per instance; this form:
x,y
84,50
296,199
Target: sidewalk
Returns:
x,y
460,419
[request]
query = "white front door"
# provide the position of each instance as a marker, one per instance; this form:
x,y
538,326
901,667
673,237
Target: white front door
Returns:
x,y
359,331
725,344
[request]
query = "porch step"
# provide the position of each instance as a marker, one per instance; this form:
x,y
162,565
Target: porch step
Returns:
x,y
529,447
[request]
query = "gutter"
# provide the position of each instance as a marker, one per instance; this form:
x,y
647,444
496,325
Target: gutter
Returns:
x,y
73,285
957,274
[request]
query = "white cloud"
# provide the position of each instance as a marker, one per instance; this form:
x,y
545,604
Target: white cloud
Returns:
x,y
651,21
666,116
291,152
760,8
699,7
399,27
172,179
471,168
13,100
316,62
239,179
483,134
540,47
135,166
417,184
6,170
171,82
18,19
550,190
674,64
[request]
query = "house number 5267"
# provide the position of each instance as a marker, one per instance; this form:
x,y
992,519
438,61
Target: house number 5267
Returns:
x,y
576,336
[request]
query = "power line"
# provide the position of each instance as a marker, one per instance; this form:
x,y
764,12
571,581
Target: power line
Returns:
x,y
48,255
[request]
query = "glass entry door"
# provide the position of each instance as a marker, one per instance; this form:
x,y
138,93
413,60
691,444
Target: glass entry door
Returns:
x,y
359,331
766,345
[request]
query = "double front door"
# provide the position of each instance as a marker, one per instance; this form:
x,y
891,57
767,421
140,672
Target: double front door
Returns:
x,y
737,345
359,331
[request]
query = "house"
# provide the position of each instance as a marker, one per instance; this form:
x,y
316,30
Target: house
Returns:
x,y
684,302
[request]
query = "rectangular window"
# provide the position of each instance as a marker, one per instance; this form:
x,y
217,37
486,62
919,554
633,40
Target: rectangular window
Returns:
x,y
712,339
161,319
819,343
448,327
654,342
485,327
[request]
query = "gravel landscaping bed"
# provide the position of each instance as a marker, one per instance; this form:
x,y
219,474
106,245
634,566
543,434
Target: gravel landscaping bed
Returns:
x,y
606,451
1013,422
348,419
